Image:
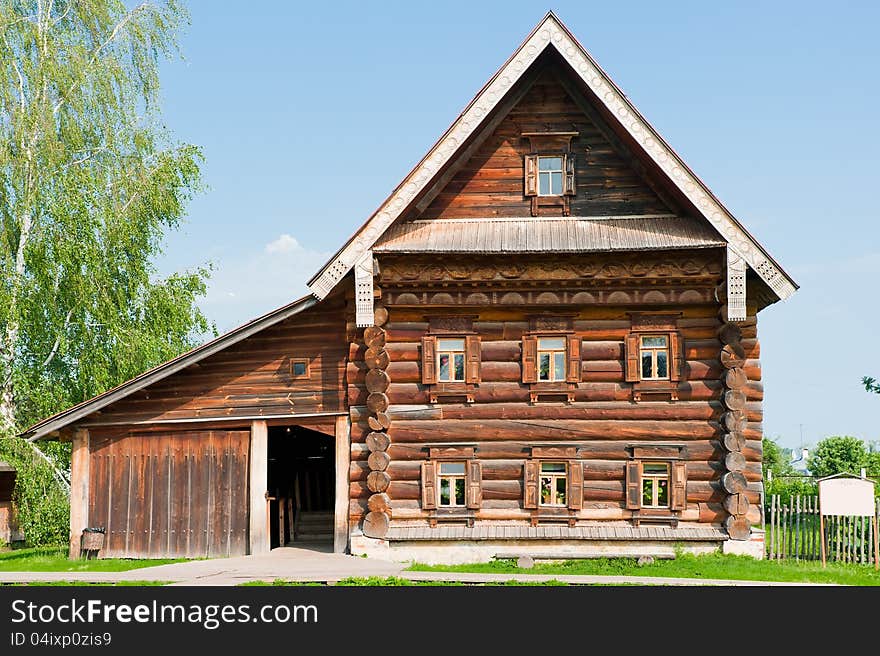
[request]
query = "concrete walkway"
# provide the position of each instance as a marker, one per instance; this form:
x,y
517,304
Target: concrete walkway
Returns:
x,y
297,564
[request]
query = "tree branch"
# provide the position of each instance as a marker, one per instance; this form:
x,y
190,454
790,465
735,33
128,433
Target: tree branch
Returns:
x,y
55,346
126,19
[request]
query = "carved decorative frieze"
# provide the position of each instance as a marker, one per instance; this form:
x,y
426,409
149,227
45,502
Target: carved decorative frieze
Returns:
x,y
428,270
606,296
459,324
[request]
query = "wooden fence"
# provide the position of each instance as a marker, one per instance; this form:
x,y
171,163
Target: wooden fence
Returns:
x,y
792,531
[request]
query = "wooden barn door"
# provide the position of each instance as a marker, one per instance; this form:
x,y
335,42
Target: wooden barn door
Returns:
x,y
179,494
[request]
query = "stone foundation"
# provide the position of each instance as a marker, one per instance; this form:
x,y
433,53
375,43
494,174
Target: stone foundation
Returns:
x,y
753,547
455,552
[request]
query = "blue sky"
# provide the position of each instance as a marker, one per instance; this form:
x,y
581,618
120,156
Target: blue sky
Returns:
x,y
309,114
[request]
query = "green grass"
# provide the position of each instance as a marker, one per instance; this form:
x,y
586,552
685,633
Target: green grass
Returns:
x,y
54,559
711,566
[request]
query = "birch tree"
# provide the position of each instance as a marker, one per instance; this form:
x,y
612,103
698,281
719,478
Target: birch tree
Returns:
x,y
90,183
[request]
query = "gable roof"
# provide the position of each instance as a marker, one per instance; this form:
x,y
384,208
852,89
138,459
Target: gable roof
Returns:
x,y
154,375
550,33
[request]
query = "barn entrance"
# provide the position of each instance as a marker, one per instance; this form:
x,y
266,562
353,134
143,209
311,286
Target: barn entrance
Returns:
x,y
301,482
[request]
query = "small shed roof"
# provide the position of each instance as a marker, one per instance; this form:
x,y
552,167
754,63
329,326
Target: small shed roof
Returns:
x,y
6,467
551,234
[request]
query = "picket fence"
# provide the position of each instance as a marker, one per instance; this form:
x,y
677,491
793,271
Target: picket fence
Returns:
x,y
792,531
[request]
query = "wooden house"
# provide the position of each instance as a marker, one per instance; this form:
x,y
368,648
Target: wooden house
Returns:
x,y
544,341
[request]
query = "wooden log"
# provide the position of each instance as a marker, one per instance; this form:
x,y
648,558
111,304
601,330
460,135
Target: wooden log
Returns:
x,y
378,461
738,527
376,358
734,421
734,442
380,315
376,524
379,502
735,379
377,441
556,429
735,461
730,359
729,333
374,337
696,451
378,481
734,482
379,421
377,380
734,399
377,402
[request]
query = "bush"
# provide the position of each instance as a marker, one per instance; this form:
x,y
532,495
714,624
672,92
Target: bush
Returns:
x,y
42,504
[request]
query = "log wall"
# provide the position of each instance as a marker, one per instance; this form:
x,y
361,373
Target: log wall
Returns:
x,y
602,421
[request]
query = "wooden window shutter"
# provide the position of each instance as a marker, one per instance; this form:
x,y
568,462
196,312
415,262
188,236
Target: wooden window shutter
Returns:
x,y
429,359
633,485
529,359
474,484
569,187
575,485
676,356
429,486
632,358
573,374
531,484
679,486
531,175
472,359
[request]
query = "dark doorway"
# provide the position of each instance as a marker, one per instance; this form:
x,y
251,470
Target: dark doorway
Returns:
x,y
301,481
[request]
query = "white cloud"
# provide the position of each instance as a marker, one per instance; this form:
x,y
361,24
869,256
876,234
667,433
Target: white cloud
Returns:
x,y
284,244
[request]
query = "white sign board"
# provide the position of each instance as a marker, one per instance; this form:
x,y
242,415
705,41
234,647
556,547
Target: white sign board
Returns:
x,y
846,496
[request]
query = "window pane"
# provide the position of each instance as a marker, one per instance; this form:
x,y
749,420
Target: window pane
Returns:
x,y
444,367
459,491
544,366
558,365
662,492
551,343
450,345
654,341
546,491
452,468
560,490
556,183
662,369
444,491
654,468
550,163
299,368
648,492
646,365
459,366
544,184
552,467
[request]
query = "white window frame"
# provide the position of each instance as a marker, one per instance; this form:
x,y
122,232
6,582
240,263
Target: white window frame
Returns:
x,y
549,173
554,375
451,478
452,353
553,477
653,350
655,478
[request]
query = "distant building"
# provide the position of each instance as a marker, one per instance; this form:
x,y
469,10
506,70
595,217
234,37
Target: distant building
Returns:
x,y
799,463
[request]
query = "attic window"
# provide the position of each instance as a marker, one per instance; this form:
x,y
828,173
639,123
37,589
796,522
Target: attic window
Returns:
x,y
549,176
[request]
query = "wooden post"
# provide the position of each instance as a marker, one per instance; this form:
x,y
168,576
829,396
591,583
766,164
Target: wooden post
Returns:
x,y
822,534
343,461
876,545
79,489
259,482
